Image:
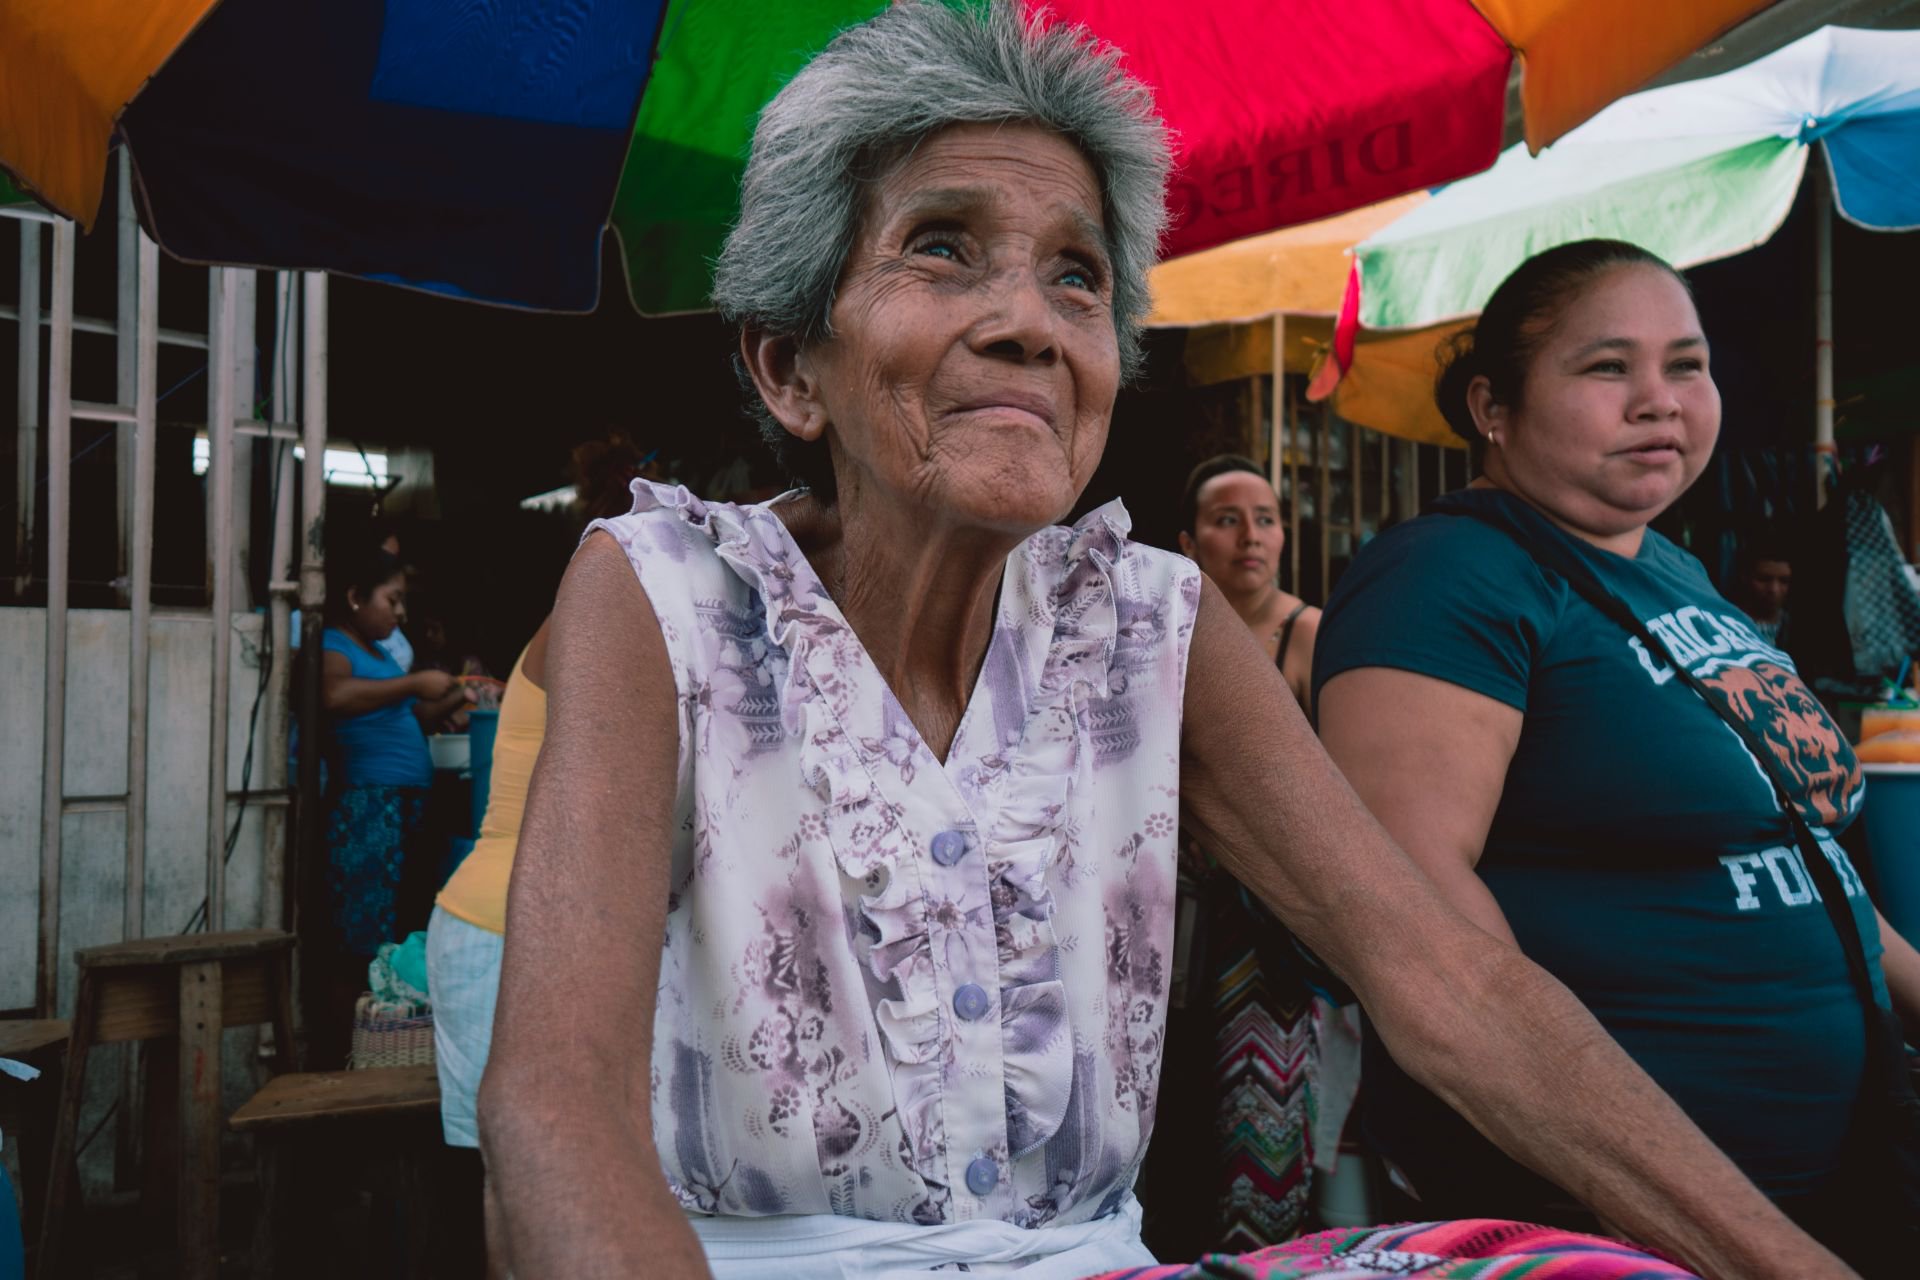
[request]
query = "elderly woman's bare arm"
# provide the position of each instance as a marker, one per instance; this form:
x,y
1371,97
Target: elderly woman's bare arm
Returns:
x,y
1464,1012
564,1107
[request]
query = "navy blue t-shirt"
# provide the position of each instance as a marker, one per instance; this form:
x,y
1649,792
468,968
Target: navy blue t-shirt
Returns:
x,y
1638,851
384,747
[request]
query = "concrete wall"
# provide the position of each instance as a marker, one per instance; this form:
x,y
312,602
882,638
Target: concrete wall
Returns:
x,y
93,857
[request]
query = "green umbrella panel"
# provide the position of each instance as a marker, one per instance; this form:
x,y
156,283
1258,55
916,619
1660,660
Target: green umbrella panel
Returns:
x,y
680,189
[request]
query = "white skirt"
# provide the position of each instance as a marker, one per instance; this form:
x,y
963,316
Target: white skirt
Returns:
x,y
827,1247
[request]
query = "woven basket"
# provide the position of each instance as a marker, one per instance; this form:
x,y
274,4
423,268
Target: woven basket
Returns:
x,y
384,1040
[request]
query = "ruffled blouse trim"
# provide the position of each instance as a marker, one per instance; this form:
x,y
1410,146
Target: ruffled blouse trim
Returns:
x,y
1072,577
1072,570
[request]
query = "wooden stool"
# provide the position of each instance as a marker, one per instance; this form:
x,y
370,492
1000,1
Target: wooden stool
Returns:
x,y
187,988
342,1106
27,1110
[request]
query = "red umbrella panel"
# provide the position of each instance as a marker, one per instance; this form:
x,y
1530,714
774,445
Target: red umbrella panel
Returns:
x,y
1289,113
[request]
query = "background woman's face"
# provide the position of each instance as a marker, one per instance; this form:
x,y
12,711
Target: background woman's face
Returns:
x,y
974,363
383,610
1237,535
1619,413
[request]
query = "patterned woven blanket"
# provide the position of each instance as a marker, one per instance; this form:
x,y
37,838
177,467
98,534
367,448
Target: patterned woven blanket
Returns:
x,y
1472,1249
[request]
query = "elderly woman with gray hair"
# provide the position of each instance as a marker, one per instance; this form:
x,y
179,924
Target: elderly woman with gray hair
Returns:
x,y
838,932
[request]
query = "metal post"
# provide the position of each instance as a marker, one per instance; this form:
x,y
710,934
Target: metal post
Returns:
x,y
1386,478
1824,452
53,766
1354,454
1283,404
127,344
245,381
1276,446
1252,437
1323,503
220,415
146,441
275,904
1407,499
313,569
26,481
142,396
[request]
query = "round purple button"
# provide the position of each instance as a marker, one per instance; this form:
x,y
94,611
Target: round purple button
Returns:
x,y
949,847
983,1175
971,1002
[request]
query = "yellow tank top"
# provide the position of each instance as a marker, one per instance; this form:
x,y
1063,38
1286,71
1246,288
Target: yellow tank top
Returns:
x,y
477,890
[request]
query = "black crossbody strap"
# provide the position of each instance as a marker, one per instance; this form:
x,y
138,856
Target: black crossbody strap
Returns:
x,y
1561,563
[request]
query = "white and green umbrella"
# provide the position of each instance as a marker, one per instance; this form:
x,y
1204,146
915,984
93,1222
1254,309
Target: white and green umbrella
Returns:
x,y
1693,172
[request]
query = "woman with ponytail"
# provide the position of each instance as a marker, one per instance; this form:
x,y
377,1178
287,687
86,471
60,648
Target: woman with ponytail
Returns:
x,y
1574,794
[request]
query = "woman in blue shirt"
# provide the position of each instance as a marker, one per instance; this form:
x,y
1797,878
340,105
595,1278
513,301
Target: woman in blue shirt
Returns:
x,y
378,717
1572,797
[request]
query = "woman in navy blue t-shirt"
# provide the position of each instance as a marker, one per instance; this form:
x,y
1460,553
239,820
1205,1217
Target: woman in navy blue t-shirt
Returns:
x,y
1567,792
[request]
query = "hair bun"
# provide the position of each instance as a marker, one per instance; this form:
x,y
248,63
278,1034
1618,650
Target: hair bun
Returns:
x,y
1460,364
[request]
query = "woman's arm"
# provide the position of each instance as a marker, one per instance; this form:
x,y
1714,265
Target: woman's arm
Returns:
x,y
1462,1010
1429,760
1901,963
564,1114
344,694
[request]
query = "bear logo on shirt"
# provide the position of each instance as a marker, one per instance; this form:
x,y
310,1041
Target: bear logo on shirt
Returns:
x,y
1804,742
1758,683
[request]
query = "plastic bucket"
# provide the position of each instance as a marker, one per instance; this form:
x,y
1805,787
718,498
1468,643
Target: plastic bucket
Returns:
x,y
1893,829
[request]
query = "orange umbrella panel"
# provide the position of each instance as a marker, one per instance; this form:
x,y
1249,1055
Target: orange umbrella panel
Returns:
x,y
67,69
1577,56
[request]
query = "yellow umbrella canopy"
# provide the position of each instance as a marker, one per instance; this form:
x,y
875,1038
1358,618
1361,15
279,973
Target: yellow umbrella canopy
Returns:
x,y
1226,297
1391,389
1295,271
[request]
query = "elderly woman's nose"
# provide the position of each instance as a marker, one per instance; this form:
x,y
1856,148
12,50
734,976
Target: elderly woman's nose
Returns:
x,y
1019,321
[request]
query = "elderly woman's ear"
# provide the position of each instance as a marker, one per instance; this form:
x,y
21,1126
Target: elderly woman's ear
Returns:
x,y
784,381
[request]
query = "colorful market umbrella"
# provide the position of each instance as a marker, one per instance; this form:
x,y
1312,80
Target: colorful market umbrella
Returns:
x,y
1266,299
1294,271
475,150
1377,98
1695,172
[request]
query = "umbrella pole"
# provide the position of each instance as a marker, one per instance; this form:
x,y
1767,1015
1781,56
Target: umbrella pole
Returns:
x,y
1823,447
1276,445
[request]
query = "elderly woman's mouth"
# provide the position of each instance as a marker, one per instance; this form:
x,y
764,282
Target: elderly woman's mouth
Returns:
x,y
1013,407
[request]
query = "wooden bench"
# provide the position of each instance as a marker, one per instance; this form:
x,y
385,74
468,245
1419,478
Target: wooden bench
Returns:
x,y
183,989
387,1111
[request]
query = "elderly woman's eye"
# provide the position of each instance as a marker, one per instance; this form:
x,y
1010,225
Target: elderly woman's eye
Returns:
x,y
1081,275
938,248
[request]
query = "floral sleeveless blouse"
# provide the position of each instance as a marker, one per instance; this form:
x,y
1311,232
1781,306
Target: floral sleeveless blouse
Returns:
x,y
892,988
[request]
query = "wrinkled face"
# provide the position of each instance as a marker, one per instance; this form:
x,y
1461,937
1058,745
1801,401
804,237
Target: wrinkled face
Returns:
x,y
376,616
1618,414
974,363
1766,584
1237,535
